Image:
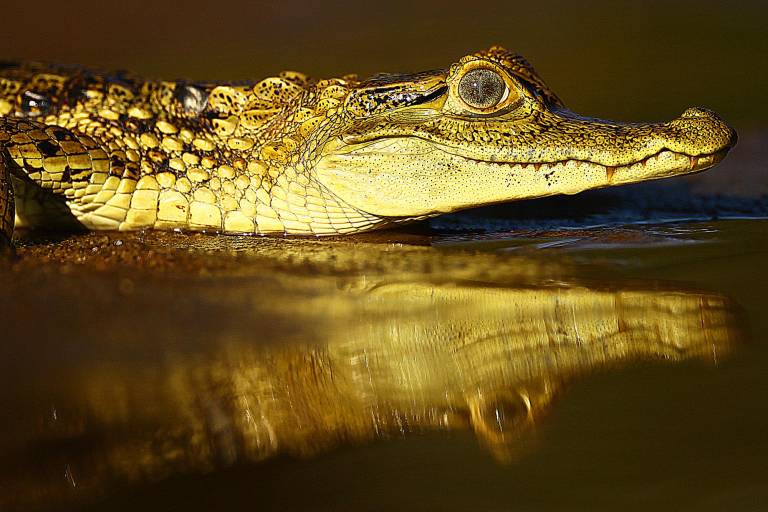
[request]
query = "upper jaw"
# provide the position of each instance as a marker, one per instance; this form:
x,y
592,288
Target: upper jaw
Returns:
x,y
558,136
694,141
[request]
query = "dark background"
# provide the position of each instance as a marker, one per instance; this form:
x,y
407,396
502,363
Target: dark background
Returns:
x,y
639,60
651,438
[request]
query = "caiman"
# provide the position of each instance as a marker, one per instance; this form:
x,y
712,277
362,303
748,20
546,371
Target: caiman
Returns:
x,y
294,155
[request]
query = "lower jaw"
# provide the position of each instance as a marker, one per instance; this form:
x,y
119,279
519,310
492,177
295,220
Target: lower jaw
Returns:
x,y
529,181
663,164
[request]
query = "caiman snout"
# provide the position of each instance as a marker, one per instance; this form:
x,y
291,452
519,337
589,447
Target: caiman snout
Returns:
x,y
696,112
695,141
700,131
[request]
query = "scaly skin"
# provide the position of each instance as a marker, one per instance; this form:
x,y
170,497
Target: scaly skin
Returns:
x,y
294,155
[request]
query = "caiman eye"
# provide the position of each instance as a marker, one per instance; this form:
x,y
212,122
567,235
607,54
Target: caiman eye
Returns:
x,y
35,104
482,88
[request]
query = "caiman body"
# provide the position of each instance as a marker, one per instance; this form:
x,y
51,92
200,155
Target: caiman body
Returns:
x,y
295,155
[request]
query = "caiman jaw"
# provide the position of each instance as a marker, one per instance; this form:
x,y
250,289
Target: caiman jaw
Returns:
x,y
663,164
627,153
427,173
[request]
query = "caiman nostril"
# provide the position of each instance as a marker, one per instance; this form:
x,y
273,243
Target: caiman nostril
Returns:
x,y
694,112
705,128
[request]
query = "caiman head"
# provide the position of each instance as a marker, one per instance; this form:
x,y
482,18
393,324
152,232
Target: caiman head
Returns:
x,y
488,130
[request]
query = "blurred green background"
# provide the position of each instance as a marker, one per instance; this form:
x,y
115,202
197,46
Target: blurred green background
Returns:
x,y
640,60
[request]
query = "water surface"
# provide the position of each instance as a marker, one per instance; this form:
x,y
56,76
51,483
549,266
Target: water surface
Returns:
x,y
620,363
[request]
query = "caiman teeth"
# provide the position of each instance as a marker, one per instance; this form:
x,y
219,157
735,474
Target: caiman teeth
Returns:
x,y
694,161
610,170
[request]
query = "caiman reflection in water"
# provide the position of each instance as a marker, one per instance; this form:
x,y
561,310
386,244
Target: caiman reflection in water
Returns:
x,y
391,359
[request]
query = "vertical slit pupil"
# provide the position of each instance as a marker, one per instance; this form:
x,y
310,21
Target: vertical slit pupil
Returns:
x,y
481,88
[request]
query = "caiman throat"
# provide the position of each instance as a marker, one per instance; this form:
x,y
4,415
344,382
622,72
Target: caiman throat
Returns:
x,y
294,155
